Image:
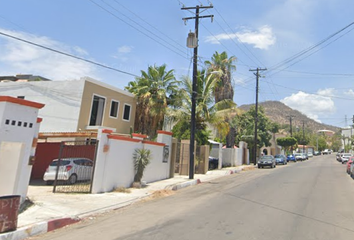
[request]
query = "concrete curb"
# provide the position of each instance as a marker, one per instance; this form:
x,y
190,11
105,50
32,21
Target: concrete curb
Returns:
x,y
186,184
38,228
53,224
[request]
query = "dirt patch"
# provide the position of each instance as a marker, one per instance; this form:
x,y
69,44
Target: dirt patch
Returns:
x,y
248,168
122,190
159,194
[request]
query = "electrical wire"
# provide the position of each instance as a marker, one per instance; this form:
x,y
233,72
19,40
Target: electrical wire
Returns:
x,y
132,26
307,50
66,54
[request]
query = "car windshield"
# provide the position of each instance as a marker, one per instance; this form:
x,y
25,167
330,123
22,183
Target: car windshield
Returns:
x,y
62,163
266,158
277,156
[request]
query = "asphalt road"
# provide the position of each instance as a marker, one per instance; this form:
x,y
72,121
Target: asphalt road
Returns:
x,y
305,200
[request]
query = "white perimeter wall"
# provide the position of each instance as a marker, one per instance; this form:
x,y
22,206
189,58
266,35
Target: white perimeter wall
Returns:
x,y
16,148
62,101
232,156
114,163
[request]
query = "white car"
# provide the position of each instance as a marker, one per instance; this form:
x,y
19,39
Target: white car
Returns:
x,y
70,169
345,157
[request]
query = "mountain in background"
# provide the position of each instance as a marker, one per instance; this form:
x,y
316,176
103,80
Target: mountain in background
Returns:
x,y
278,112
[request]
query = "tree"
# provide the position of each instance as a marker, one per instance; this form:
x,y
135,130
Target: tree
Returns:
x,y
155,90
223,88
245,128
286,142
207,112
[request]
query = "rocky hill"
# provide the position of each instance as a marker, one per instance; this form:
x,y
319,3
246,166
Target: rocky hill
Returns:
x,y
279,113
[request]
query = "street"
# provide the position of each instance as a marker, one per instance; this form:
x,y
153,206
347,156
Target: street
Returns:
x,y
300,201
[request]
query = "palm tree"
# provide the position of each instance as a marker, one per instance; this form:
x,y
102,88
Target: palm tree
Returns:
x,y
154,91
223,64
223,88
141,158
207,112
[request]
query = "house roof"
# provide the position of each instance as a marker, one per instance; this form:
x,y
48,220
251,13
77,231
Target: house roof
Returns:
x,y
21,102
107,86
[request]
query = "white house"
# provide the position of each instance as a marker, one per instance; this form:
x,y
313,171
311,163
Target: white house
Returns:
x,y
84,104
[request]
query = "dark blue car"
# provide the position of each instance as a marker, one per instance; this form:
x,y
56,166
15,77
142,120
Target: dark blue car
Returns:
x,y
291,157
280,159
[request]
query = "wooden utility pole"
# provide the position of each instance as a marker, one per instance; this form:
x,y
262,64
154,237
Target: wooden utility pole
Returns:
x,y
256,114
194,84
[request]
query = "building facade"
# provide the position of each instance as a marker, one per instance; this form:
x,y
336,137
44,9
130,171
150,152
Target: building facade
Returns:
x,y
77,105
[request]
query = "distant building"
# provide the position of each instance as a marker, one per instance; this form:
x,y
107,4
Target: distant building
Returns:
x,y
77,105
22,78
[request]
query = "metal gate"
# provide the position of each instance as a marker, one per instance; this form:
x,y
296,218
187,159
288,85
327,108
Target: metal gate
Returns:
x,y
73,171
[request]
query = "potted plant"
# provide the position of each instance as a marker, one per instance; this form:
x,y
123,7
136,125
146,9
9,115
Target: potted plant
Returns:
x,y
141,159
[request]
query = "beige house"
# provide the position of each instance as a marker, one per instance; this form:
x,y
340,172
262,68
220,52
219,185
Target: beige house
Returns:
x,y
77,105
274,149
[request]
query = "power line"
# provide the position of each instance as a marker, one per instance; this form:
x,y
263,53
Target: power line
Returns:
x,y
162,33
305,51
237,39
147,35
66,54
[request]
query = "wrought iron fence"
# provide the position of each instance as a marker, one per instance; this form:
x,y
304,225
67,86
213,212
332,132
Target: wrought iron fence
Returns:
x,y
73,170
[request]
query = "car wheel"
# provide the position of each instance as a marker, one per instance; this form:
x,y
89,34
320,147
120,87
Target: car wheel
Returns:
x,y
72,179
49,182
275,165
259,166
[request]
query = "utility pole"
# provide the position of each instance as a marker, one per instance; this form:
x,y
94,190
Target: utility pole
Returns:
x,y
194,84
256,114
303,136
291,129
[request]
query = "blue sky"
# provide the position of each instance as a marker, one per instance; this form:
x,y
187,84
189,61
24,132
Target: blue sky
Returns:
x,y
131,35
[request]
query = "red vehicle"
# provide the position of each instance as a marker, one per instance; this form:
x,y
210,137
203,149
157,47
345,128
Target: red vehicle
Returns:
x,y
350,160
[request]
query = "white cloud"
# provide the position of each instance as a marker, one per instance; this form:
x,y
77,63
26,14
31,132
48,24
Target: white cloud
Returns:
x,y
263,38
19,57
327,92
125,49
350,92
312,105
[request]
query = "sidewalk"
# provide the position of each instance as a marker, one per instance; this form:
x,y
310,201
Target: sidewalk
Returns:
x,y
52,211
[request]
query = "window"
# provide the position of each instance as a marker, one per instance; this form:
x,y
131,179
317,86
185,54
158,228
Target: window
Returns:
x,y
97,109
21,97
126,114
19,123
114,109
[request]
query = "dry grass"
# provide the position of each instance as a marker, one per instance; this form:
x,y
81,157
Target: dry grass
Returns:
x,y
159,194
249,168
122,190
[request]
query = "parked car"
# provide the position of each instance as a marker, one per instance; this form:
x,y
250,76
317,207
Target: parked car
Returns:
x,y
345,157
350,161
267,160
299,157
280,159
316,153
304,156
291,157
70,169
351,170
309,154
326,151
